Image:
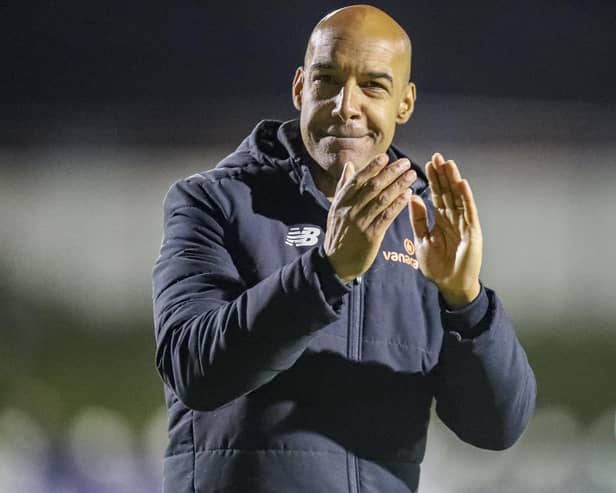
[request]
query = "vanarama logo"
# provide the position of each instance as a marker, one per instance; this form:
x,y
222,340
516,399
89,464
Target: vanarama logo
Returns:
x,y
404,258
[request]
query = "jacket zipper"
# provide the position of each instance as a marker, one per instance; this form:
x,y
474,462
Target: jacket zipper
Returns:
x,y
356,319
356,301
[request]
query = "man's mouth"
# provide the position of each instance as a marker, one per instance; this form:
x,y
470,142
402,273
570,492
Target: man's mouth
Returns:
x,y
343,139
350,134
336,142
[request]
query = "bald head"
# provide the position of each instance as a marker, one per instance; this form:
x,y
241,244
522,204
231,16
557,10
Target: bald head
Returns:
x,y
363,22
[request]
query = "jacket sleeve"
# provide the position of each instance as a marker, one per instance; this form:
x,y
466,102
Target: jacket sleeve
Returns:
x,y
216,338
485,388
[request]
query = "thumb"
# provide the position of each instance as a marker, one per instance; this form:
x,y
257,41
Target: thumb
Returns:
x,y
350,171
347,172
419,217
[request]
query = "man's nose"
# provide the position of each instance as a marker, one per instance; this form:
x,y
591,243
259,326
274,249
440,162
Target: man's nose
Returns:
x,y
347,107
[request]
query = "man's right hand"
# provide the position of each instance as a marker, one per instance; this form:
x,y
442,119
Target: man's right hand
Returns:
x,y
366,202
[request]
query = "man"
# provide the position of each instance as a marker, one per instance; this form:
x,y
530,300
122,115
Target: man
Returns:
x,y
303,324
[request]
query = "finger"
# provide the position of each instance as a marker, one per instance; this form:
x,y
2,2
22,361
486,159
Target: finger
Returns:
x,y
445,225
373,167
452,171
449,179
437,159
418,215
443,180
382,190
370,186
470,209
380,224
376,206
363,175
435,187
454,179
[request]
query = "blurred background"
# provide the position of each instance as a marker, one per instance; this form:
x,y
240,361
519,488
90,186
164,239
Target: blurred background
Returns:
x,y
103,105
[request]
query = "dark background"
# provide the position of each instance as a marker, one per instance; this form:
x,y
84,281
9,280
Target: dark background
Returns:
x,y
155,61
70,51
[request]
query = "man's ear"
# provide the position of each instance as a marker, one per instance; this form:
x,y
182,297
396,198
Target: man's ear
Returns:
x,y
298,85
407,104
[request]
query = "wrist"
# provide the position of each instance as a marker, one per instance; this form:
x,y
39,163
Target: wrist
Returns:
x,y
338,267
457,299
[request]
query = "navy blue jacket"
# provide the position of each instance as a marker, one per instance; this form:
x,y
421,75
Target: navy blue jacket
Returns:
x,y
279,377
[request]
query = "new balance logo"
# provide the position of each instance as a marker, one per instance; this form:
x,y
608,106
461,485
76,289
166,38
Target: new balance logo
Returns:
x,y
306,236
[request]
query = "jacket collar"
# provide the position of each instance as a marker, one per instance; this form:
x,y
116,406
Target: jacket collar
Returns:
x,y
289,136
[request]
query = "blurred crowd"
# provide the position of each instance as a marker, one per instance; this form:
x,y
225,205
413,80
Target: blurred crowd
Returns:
x,y
101,453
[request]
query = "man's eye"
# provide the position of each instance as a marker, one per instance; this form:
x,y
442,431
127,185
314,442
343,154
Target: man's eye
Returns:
x,y
328,79
375,85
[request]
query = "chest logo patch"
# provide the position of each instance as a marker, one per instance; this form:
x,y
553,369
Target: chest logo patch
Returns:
x,y
403,258
305,236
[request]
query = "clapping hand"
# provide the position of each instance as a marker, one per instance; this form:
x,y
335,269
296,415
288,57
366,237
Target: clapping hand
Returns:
x,y
365,204
449,254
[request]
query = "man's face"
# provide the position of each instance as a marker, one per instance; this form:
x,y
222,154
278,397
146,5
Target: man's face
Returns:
x,y
351,92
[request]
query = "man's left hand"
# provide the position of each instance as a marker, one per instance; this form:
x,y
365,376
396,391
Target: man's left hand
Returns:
x,y
450,254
